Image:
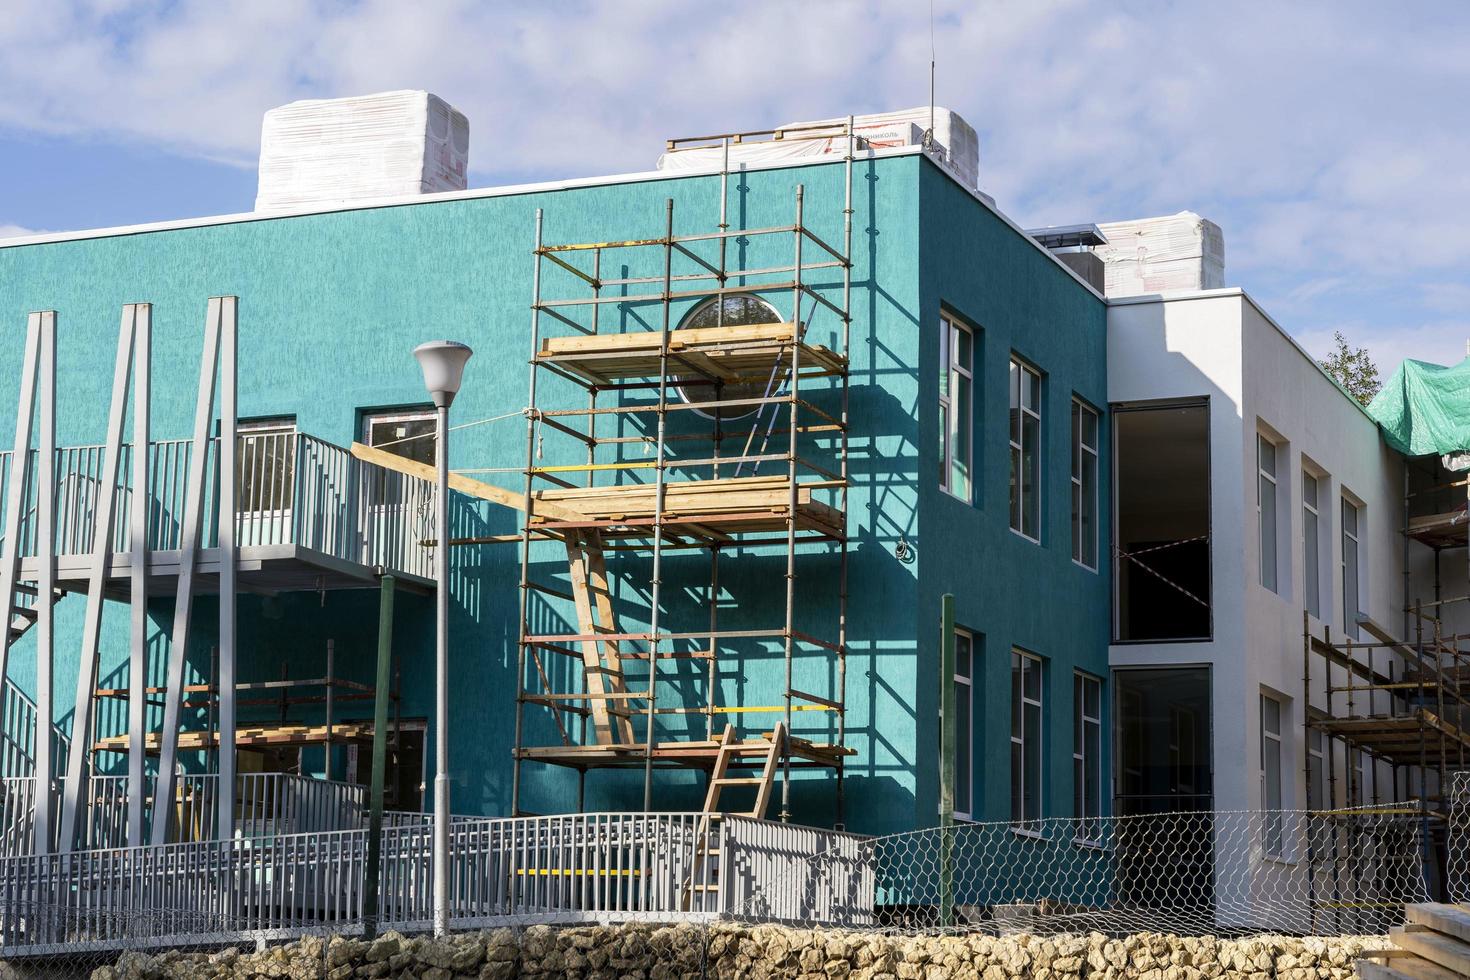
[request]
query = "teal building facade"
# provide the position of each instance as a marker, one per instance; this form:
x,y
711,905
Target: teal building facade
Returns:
x,y
332,304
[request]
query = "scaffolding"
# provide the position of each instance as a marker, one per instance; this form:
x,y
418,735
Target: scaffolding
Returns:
x,y
734,371
1396,702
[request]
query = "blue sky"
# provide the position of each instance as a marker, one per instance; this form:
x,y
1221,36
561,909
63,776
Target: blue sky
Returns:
x,y
1328,139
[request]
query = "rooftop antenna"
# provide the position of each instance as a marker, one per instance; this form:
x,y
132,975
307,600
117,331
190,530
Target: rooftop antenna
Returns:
x,y
929,133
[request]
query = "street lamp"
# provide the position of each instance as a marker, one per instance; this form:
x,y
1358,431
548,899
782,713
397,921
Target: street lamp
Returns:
x,y
443,363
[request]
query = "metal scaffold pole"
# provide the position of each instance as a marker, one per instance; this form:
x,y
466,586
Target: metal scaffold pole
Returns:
x,y
525,583
791,458
655,588
730,355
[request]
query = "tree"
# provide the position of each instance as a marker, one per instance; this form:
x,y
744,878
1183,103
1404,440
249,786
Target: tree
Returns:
x,y
1353,369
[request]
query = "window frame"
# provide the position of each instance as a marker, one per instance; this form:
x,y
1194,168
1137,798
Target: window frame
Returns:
x,y
1268,526
380,488
1117,419
1021,821
737,413
277,495
1080,449
964,803
956,376
1089,821
1316,774
1351,599
1272,830
1022,378
1312,542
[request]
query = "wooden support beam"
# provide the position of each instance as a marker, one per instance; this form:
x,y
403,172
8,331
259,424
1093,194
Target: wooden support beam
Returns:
x,y
464,484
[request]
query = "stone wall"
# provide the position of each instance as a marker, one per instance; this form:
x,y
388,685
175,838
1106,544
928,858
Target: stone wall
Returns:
x,y
756,952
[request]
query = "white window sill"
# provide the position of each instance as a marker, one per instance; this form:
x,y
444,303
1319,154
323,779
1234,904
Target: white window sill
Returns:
x,y
1083,565
1285,860
1028,833
1089,845
1025,537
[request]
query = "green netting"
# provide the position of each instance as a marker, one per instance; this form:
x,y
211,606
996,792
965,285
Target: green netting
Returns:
x,y
1425,408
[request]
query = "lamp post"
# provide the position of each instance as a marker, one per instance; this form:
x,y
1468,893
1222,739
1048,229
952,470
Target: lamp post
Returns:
x,y
443,363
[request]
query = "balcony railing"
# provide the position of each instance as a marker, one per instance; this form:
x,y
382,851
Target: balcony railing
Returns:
x,y
266,804
291,489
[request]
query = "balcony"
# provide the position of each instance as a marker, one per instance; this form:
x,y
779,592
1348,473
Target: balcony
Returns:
x,y
309,516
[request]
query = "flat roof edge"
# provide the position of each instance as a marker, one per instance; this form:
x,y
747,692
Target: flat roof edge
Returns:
x,y
373,204
1236,291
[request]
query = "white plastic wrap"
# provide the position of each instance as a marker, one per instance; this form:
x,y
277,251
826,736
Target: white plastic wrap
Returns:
x,y
1158,255
959,147
392,144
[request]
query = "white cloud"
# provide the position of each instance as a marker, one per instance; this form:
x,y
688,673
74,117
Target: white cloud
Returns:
x,y
16,231
1317,133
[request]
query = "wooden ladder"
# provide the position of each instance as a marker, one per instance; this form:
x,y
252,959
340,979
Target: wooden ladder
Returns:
x,y
771,747
602,664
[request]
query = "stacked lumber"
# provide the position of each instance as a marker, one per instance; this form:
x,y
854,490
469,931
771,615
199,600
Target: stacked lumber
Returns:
x,y
1433,944
740,353
286,734
763,500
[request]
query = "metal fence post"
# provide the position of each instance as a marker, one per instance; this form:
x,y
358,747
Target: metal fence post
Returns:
x,y
946,760
380,755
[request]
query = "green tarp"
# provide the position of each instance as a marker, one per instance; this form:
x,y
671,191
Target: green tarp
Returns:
x,y
1425,408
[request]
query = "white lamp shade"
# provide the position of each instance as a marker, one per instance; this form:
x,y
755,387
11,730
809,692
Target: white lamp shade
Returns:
x,y
443,363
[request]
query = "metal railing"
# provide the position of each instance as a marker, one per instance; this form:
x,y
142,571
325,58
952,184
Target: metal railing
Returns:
x,y
291,489
266,805
18,738
609,867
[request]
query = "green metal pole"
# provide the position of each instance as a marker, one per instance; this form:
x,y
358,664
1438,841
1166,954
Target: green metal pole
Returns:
x,y
946,761
380,755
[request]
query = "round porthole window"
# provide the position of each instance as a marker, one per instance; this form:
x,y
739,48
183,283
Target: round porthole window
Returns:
x,y
731,310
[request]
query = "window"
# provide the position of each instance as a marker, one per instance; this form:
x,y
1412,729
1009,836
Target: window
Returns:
x,y
1025,450
1316,771
1087,754
733,309
266,461
1311,546
1271,774
964,726
1350,557
1161,573
956,406
409,434
1367,794
1266,508
1025,739
1084,485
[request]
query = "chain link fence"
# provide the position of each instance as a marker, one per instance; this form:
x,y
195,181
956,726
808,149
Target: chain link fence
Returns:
x,y
1190,874
1193,874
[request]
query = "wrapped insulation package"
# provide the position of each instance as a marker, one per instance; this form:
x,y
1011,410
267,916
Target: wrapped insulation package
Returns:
x,y
1159,255
392,144
957,147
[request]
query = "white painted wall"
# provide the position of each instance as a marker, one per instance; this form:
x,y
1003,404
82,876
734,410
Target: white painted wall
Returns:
x,y
1220,345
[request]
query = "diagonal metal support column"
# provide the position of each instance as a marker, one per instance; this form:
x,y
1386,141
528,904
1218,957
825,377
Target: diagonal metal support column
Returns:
x,y
45,587
15,496
178,652
103,527
228,448
138,546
